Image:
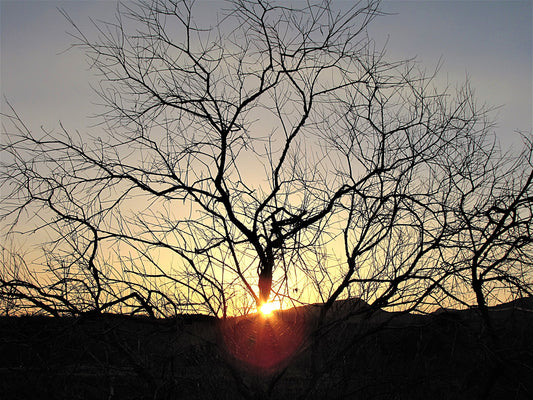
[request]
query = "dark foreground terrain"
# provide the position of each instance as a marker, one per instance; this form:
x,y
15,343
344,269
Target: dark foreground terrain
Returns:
x,y
444,355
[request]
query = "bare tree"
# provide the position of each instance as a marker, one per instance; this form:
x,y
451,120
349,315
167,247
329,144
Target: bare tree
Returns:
x,y
273,155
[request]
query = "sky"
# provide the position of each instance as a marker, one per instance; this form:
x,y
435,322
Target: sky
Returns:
x,y
488,41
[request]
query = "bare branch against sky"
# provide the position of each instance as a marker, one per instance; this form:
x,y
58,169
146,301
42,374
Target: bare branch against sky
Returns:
x,y
265,152
271,186
489,41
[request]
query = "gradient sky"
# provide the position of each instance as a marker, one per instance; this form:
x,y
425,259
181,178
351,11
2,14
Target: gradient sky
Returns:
x,y
489,41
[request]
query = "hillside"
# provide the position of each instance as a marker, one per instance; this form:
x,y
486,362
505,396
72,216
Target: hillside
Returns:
x,y
444,355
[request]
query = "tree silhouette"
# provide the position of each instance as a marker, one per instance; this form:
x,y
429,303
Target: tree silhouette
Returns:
x,y
272,153
276,154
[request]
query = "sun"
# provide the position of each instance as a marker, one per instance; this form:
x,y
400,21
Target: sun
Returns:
x,y
267,308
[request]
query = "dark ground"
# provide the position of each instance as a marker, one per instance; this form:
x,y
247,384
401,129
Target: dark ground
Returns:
x,y
444,355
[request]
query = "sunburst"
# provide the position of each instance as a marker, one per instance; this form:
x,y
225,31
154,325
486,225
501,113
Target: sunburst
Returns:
x,y
268,308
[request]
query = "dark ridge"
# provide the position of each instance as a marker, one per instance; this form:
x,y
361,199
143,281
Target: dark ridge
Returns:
x,y
442,355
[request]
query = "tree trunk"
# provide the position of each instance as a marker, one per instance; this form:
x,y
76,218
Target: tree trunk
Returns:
x,y
265,284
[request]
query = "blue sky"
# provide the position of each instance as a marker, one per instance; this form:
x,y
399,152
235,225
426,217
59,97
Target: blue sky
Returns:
x,y
490,41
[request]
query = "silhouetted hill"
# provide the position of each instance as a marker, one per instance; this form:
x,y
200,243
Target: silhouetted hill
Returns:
x,y
443,355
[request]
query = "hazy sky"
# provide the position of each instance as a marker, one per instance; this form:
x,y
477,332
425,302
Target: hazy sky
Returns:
x,y
490,41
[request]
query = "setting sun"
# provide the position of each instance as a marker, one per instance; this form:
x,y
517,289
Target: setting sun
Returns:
x,y
267,308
